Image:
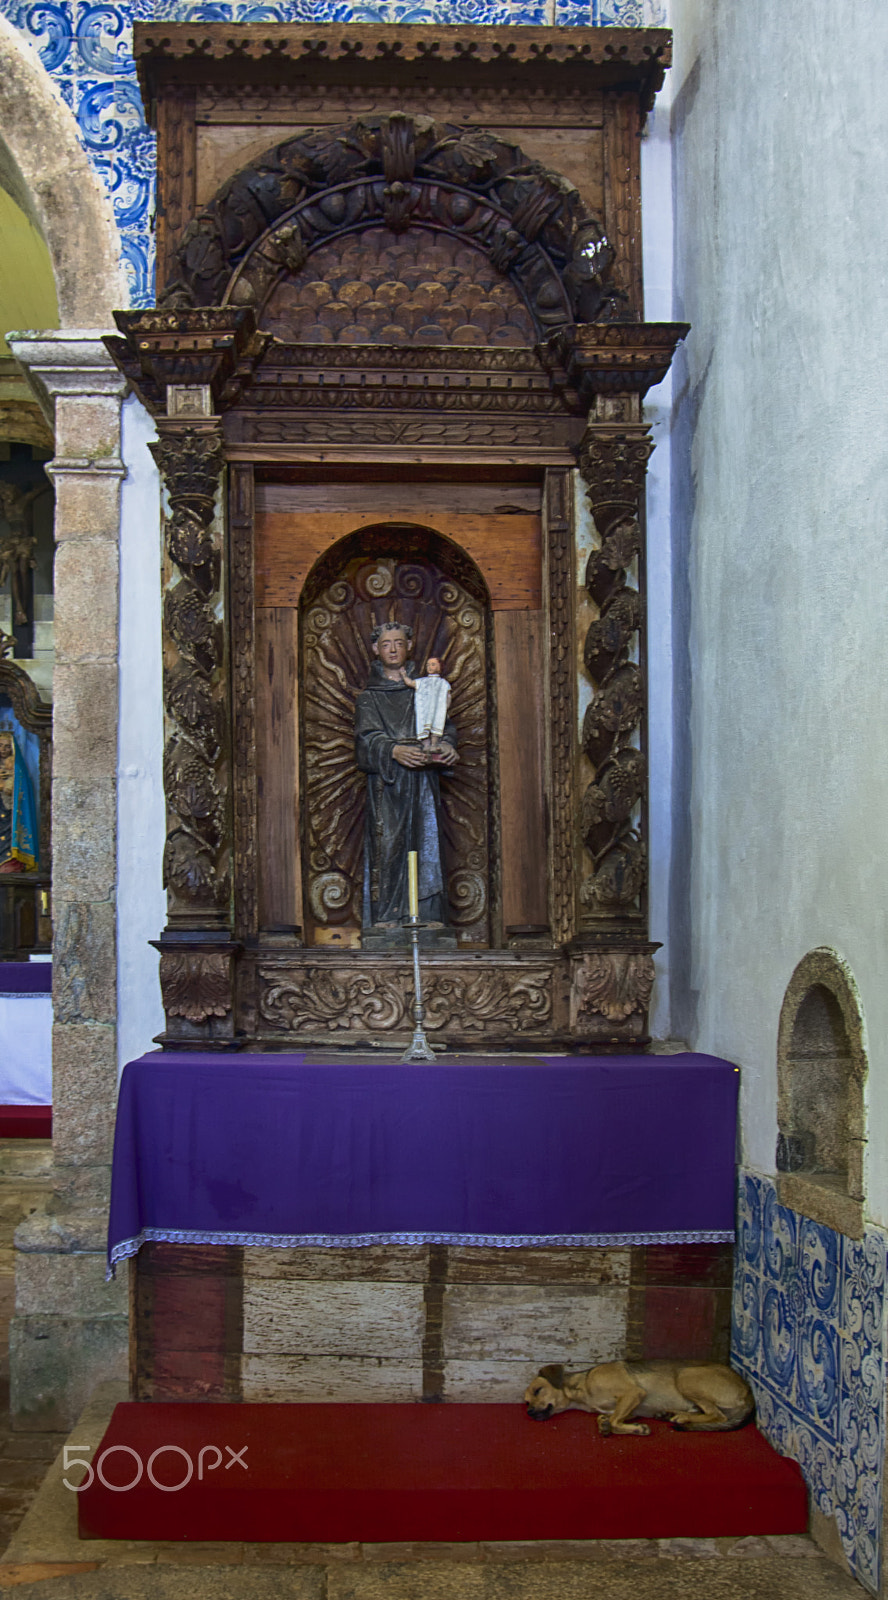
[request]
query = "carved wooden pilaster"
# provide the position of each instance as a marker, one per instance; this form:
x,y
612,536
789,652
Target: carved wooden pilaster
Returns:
x,y
241,511
559,558
175,174
622,194
613,460
196,762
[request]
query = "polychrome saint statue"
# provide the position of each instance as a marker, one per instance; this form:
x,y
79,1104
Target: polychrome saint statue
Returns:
x,y
403,804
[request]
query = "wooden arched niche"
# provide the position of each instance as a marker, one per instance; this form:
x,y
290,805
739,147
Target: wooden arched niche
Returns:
x,y
411,575
314,658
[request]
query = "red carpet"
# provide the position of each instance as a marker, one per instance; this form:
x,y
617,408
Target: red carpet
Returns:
x,y
412,1472
25,1122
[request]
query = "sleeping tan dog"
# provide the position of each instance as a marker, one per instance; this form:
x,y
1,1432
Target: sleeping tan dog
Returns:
x,y
694,1395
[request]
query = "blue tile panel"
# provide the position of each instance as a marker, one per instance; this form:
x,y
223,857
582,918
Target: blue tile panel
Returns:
x,y
87,51
809,1333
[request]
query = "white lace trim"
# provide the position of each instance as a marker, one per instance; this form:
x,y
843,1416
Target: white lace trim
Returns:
x,y
351,1241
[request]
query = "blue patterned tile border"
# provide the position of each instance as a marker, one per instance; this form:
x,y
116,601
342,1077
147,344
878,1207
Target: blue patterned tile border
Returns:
x,y
610,14
809,1333
87,50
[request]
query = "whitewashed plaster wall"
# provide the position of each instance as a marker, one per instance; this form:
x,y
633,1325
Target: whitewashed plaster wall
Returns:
x,y
141,814
780,519
656,196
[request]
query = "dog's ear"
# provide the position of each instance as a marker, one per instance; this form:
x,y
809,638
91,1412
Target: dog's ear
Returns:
x,y
553,1375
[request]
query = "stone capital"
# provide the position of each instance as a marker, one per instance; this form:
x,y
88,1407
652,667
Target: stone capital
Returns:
x,y
67,362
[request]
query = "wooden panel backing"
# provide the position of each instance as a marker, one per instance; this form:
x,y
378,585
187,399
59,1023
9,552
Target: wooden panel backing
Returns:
x,y
518,639
277,713
186,1323
223,150
498,525
176,175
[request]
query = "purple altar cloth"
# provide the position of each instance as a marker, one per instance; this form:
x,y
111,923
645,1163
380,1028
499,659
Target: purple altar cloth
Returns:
x,y
271,1150
25,977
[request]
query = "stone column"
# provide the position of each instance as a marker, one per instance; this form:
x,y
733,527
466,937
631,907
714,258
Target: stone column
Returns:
x,y
69,1331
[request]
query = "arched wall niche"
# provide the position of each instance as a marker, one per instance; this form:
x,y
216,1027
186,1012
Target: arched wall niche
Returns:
x,y
821,1074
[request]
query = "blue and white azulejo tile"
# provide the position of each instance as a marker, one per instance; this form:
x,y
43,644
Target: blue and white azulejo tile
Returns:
x,y
809,1333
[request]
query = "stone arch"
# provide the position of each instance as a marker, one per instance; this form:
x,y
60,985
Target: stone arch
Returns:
x,y
69,203
821,1074
399,172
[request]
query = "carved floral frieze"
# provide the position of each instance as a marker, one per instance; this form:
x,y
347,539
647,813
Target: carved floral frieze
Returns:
x,y
340,1000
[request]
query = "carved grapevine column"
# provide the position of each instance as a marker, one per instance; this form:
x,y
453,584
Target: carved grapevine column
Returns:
x,y
614,973
196,762
196,974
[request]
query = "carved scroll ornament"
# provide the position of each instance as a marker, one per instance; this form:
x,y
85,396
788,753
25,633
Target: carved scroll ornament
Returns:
x,y
338,1000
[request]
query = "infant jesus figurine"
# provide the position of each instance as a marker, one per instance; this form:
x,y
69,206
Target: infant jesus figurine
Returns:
x,y
432,702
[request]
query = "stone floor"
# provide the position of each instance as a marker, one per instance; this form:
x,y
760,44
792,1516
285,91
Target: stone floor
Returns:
x,y
44,1559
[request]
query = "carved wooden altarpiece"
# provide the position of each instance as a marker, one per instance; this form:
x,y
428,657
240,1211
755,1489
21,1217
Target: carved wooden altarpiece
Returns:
x,y
399,304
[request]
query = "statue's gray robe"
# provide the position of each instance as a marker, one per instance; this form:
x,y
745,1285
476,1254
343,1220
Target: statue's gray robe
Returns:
x,y
403,807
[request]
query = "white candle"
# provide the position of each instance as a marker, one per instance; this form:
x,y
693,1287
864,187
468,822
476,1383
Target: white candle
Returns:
x,y
412,884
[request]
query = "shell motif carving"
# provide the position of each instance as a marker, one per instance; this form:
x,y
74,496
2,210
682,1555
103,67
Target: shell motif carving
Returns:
x,y
398,170
612,984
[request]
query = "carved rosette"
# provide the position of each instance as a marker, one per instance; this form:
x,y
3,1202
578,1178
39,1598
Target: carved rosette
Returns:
x,y
613,461
196,757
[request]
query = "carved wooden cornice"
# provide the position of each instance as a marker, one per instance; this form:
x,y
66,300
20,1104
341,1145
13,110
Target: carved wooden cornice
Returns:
x,y
591,358
215,347
195,53
383,378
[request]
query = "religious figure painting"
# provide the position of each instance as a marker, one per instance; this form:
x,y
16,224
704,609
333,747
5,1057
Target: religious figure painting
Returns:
x,y
376,784
402,808
18,816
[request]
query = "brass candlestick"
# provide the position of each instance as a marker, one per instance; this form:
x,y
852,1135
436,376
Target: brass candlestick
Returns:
x,y
419,1048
